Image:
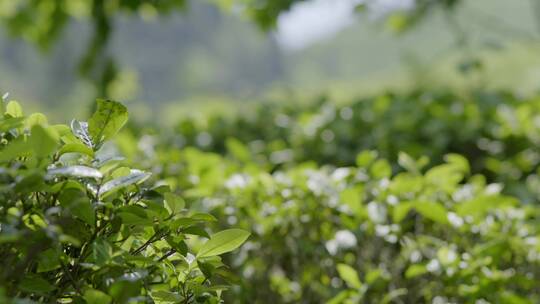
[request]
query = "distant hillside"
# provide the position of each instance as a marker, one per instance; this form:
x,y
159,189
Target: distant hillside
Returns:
x,y
503,34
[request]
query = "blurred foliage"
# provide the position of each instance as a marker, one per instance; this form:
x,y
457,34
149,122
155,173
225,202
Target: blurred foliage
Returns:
x,y
340,215
410,238
402,20
203,52
81,225
495,131
368,219
43,21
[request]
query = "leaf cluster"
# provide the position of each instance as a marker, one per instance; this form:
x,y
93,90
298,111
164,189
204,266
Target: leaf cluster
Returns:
x,y
495,131
80,224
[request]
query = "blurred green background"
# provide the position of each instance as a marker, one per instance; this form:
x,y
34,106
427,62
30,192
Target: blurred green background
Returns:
x,y
201,57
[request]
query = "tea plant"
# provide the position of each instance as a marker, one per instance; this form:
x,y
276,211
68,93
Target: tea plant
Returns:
x,y
361,234
495,131
79,224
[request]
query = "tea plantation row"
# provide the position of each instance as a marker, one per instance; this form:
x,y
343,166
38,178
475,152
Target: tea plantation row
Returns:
x,y
365,203
497,132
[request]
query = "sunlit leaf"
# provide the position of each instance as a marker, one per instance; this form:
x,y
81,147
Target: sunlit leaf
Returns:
x,y
108,119
43,140
36,119
80,130
93,296
134,177
14,109
165,297
415,270
432,211
223,242
75,171
76,148
349,275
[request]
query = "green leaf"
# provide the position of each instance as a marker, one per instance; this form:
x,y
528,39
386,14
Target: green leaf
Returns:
x,y
134,219
482,204
43,140
76,148
35,284
48,260
15,149
238,149
36,119
508,297
207,269
62,130
179,246
460,162
31,182
373,275
433,211
196,230
11,123
381,169
415,270
400,211
14,109
352,197
93,296
80,130
75,171
82,209
108,119
78,204
341,297
447,256
101,252
349,275
410,164
183,222
365,158
173,203
165,297
134,177
203,217
396,293
407,162
123,290
223,242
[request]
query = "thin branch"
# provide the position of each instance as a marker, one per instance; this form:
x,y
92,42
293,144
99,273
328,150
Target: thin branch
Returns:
x,y
70,277
168,254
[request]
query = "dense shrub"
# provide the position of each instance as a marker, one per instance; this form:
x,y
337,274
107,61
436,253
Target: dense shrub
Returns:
x,y
448,232
360,235
78,224
332,221
496,132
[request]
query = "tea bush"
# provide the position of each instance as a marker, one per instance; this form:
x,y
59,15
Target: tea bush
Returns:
x,y
383,226
337,212
496,132
359,234
79,224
